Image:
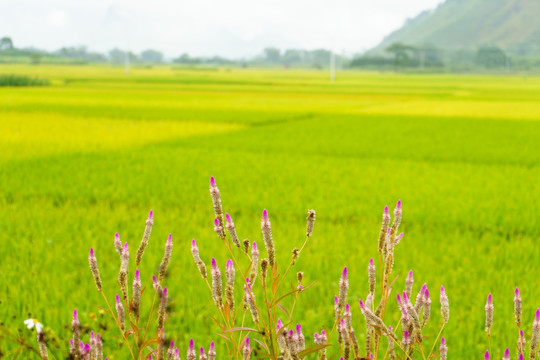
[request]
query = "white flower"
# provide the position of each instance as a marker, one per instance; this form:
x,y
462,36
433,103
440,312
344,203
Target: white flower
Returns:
x,y
30,323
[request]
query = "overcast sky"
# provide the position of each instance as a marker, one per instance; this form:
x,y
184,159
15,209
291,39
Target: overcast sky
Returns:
x,y
233,28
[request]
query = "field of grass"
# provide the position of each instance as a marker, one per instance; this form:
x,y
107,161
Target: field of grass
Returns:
x,y
95,151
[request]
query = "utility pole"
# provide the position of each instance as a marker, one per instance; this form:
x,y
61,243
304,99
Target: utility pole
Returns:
x,y
126,60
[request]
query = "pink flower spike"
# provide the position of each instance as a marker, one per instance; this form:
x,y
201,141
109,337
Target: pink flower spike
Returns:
x,y
150,214
150,357
443,341
193,244
344,274
154,279
117,236
212,347
92,253
516,293
214,264
265,215
537,315
176,352
230,265
298,329
426,293
507,354
212,182
169,239
202,352
347,308
165,292
410,276
216,222
399,300
371,261
336,300
279,324
126,248
398,205
316,336
442,290
390,327
75,315
490,300
228,218
389,230
191,345
117,299
486,355
405,298
323,332
386,211
521,357
361,303
137,275
172,344
399,237
254,246
247,342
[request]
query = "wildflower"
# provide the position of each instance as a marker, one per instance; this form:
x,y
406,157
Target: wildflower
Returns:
x,y
445,307
122,275
336,310
486,355
264,269
517,308
267,236
397,217
345,338
409,284
31,323
170,351
310,222
369,300
506,354
99,344
419,302
197,259
94,269
427,307
300,339
218,228
212,351
384,226
176,354
118,244
76,329
146,237
229,290
202,355
136,301
443,350
406,341
42,346
191,355
347,317
371,276
250,300
93,345
521,342
162,308
216,284
343,288
120,313
489,313
246,350
374,321
413,316
232,230
166,257
216,200
535,335
321,340
279,325
254,261
156,285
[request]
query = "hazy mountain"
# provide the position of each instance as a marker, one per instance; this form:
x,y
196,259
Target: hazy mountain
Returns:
x,y
456,24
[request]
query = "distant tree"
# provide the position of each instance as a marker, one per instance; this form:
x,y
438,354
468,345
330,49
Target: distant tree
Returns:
x,y
117,56
272,55
401,52
318,58
6,43
293,56
152,56
490,57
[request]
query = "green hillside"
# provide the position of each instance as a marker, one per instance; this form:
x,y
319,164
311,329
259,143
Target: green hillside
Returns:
x,y
457,24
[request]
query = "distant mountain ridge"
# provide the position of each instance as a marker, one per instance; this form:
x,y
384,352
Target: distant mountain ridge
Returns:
x,y
456,24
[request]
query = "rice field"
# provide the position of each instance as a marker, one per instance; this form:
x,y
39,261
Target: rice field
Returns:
x,y
93,152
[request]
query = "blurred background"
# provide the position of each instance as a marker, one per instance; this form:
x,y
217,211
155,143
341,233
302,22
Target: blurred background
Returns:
x,y
111,108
